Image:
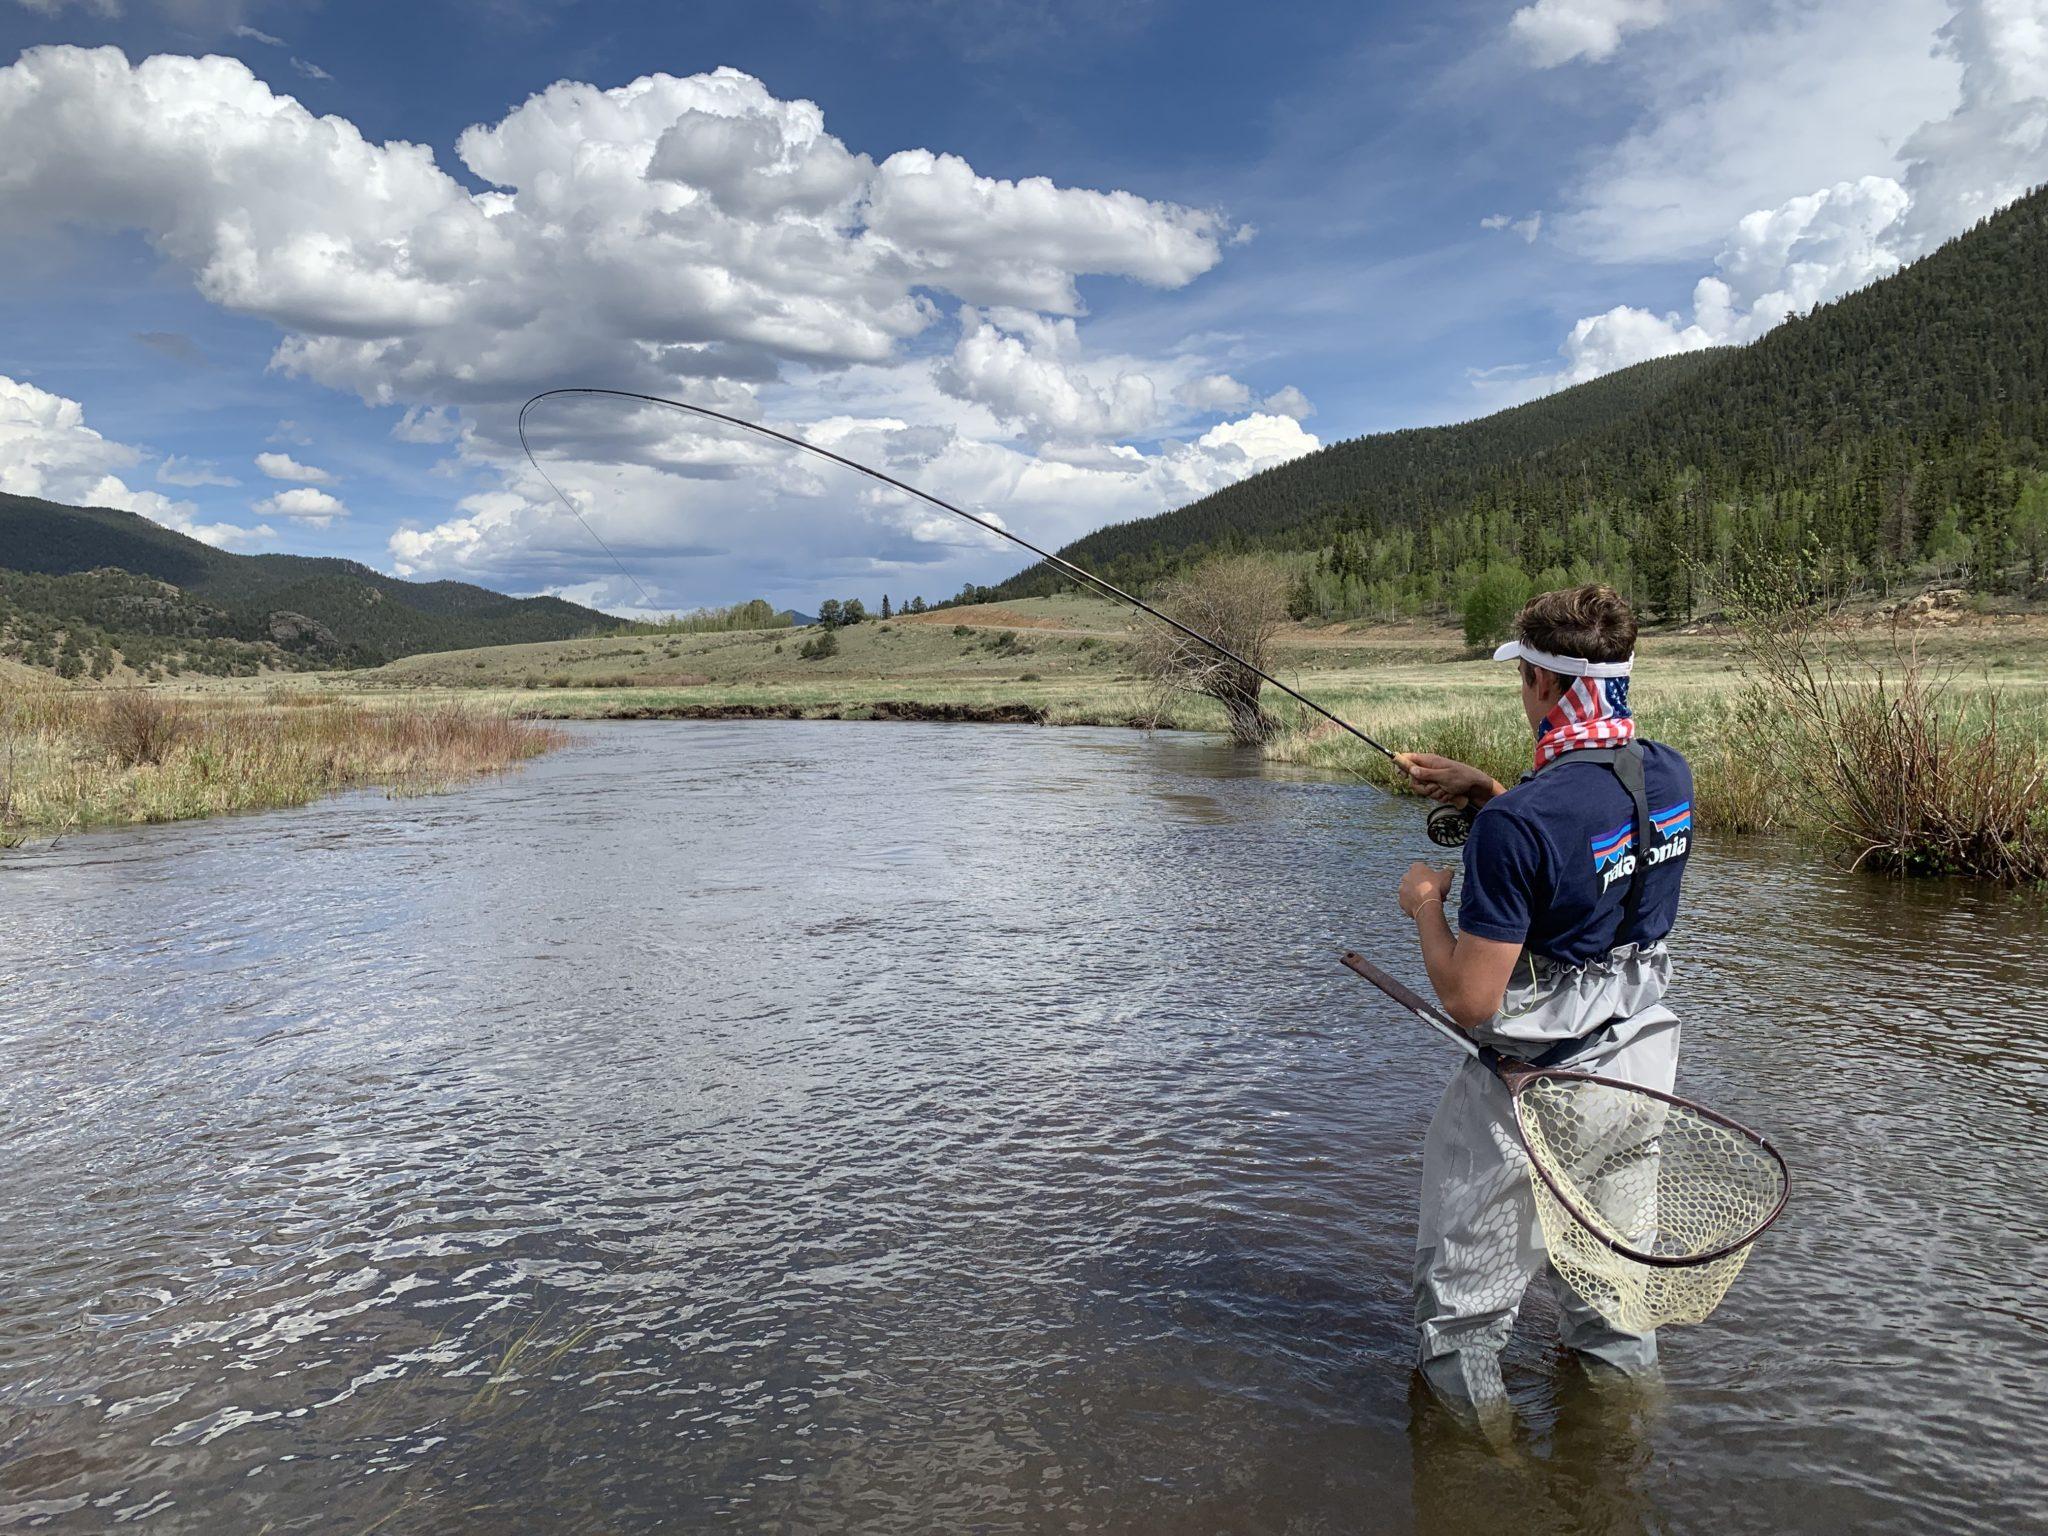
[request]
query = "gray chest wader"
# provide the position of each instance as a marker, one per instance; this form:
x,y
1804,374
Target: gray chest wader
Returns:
x,y
1478,1245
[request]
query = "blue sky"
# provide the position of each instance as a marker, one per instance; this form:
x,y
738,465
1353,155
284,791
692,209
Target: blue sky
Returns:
x,y
1067,262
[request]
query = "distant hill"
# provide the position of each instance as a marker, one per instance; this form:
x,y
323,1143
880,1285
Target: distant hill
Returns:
x,y
1893,435
78,583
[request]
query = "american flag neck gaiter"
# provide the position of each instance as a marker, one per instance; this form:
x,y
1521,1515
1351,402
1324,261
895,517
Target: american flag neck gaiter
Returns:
x,y
1593,713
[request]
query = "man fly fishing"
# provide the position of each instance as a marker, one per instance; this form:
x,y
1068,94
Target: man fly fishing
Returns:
x,y
1559,959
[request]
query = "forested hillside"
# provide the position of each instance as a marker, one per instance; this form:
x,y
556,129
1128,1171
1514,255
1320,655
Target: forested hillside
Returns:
x,y
1894,436
81,585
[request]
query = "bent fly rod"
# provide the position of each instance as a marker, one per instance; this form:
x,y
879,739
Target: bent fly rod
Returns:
x,y
1448,825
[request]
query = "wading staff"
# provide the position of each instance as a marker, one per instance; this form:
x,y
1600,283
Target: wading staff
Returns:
x,y
1448,825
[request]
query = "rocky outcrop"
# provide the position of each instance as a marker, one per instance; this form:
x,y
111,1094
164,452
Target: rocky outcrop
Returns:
x,y
295,631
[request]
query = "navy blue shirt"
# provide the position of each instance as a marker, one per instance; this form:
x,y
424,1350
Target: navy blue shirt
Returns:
x,y
1548,863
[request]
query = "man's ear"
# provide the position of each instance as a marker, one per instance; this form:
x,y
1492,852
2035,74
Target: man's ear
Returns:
x,y
1551,685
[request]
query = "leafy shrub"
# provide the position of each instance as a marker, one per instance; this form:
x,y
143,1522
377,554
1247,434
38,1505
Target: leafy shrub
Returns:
x,y
1492,601
825,644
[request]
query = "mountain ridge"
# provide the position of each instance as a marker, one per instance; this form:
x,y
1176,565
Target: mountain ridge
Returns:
x,y
66,569
1899,427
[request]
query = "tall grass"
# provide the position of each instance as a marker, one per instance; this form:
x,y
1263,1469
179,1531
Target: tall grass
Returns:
x,y
1735,785
1896,764
74,759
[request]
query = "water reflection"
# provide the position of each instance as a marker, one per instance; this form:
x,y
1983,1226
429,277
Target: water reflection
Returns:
x,y
870,1128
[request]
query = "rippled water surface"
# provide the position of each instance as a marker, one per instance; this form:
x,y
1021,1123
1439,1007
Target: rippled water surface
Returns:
x,y
875,1128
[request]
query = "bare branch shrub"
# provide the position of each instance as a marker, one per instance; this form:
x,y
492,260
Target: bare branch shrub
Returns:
x,y
1241,601
137,728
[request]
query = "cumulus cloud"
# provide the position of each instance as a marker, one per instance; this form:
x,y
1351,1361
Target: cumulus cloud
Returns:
x,y
1029,374
1816,247
1213,392
282,466
48,451
671,234
313,507
1289,401
754,516
1745,104
1994,145
1779,262
1557,31
426,424
182,471
703,225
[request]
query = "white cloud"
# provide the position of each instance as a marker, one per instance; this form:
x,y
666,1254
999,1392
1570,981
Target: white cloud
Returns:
x,y
256,36
1740,107
1029,374
53,7
757,517
182,471
707,227
422,424
1994,145
712,240
282,466
1812,248
1557,31
1213,392
312,507
1779,262
47,451
1528,228
1289,401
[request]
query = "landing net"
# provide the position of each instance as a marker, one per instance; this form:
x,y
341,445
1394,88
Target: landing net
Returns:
x,y
1649,1205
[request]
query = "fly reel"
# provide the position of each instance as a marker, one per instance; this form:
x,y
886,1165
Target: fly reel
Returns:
x,y
1450,825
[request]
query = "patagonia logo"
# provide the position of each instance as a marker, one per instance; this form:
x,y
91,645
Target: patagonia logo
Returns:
x,y
1614,855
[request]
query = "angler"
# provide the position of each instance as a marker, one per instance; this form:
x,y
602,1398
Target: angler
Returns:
x,y
1559,960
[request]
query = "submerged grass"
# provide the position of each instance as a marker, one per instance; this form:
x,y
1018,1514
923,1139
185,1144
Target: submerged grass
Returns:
x,y
71,759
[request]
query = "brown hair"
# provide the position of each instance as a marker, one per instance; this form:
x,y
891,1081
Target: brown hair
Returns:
x,y
1590,621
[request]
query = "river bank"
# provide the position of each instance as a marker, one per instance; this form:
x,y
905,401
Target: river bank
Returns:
x,y
1067,661
72,759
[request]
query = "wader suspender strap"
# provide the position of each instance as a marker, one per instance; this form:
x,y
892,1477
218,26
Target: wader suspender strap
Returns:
x,y
1627,765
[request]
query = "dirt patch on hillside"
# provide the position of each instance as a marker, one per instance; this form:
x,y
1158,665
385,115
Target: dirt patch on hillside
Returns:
x,y
991,616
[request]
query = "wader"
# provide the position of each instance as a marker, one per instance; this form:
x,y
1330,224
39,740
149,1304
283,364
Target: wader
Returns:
x,y
1479,1244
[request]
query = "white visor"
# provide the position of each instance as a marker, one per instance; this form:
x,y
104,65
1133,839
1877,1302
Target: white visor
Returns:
x,y
1569,666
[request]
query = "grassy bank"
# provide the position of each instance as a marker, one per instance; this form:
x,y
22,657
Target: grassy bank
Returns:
x,y
1759,766
1076,661
1898,762
73,759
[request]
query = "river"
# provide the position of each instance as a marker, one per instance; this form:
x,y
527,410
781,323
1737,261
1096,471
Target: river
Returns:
x,y
838,1127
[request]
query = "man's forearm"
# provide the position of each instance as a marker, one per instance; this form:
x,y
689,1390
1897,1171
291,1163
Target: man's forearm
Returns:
x,y
1439,949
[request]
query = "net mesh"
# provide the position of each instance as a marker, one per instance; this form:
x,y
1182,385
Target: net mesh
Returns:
x,y
1656,1176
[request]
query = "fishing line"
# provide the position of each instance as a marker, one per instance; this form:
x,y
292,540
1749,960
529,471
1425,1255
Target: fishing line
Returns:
x,y
1447,824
